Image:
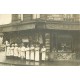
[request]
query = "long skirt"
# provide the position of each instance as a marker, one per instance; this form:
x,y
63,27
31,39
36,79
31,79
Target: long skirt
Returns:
x,y
19,54
22,54
8,53
12,53
32,55
15,53
27,55
43,55
36,55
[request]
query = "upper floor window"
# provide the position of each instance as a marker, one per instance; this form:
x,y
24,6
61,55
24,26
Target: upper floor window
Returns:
x,y
52,16
15,17
35,16
27,17
21,17
68,17
76,17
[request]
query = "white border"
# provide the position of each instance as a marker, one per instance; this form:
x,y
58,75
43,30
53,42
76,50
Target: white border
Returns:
x,y
40,7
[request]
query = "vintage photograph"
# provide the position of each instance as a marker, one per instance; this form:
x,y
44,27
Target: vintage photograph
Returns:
x,y
39,39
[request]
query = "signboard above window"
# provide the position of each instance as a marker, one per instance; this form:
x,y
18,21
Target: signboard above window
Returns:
x,y
25,40
55,16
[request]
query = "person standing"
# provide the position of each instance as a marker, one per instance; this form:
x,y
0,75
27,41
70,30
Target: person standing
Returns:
x,y
23,52
12,50
32,52
19,52
8,51
37,53
6,43
27,53
43,51
16,51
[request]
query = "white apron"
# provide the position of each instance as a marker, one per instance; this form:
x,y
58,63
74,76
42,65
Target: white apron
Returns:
x,y
37,54
8,51
43,50
32,53
5,50
15,51
12,51
22,52
27,53
19,52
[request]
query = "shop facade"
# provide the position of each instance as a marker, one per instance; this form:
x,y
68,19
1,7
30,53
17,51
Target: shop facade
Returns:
x,y
61,40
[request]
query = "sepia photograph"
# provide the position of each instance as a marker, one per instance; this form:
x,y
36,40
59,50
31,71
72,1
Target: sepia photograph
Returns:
x,y
39,39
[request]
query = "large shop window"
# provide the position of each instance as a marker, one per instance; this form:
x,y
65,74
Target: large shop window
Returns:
x,y
63,43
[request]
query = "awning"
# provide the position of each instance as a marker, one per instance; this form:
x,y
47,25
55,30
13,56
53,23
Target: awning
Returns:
x,y
17,27
1,34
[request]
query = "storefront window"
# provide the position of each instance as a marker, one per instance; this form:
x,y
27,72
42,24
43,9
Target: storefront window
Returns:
x,y
63,43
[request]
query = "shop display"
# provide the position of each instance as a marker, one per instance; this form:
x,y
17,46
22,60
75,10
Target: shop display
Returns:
x,y
64,56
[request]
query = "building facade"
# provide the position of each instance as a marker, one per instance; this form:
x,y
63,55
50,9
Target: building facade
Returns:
x,y
60,33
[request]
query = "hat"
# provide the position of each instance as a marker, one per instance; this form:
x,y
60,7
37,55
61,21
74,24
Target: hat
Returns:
x,y
12,44
16,44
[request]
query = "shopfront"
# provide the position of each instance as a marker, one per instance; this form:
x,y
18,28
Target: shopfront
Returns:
x,y
61,43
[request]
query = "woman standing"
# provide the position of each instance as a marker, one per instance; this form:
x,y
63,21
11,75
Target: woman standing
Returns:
x,y
16,51
8,51
37,53
32,52
12,50
43,51
23,52
27,53
19,51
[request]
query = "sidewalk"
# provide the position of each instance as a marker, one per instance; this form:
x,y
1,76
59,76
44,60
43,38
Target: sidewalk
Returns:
x,y
18,62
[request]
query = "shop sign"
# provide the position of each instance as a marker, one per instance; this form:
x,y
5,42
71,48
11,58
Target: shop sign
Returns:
x,y
25,40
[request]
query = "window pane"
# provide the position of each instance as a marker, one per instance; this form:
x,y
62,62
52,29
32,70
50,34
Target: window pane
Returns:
x,y
27,17
15,17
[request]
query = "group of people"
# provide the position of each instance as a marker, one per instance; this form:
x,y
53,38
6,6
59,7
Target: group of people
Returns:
x,y
29,52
